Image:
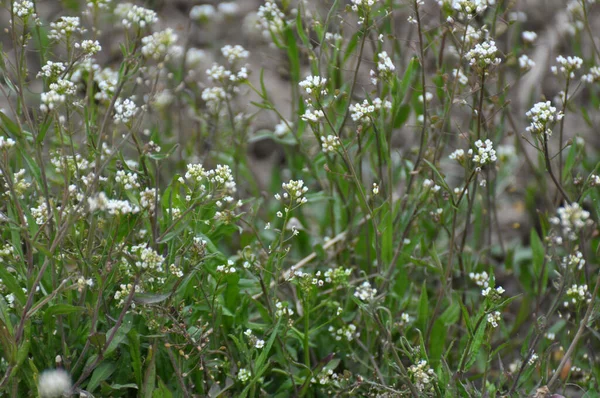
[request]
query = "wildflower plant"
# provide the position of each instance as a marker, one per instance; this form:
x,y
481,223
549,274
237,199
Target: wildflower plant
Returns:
x,y
422,222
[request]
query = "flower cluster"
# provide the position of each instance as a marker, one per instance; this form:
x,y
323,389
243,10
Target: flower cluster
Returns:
x,y
99,4
158,44
422,375
294,190
571,219
89,47
125,110
148,199
574,260
528,36
270,17
314,85
283,310
6,143
362,112
234,53
365,292
311,115
64,28
123,293
24,9
483,55
203,12
385,68
525,63
52,70
567,66
577,294
131,15
493,318
244,375
117,207
364,5
347,332
330,143
541,116
592,76
484,153
57,95
337,275
127,179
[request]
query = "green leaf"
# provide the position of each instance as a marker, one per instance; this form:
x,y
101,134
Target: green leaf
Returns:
x,y
437,341
150,374
136,355
401,115
101,373
423,308
150,298
476,345
9,125
537,250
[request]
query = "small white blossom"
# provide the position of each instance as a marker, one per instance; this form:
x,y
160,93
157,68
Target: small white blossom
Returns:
x,y
330,143
157,45
528,36
567,66
494,318
131,15
483,55
525,63
541,116
125,110
365,292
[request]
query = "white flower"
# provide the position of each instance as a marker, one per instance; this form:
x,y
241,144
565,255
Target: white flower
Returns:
x,y
525,63
228,9
484,153
483,55
481,279
270,17
57,95
157,45
567,66
203,12
24,9
6,143
314,85
259,344
127,179
330,143
422,375
365,292
529,36
89,47
125,110
494,318
131,14
244,375
592,76
64,28
54,383
362,112
52,70
460,76
311,115
541,116
295,190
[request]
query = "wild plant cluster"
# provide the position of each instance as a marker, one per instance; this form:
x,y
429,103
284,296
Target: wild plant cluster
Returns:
x,y
429,228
